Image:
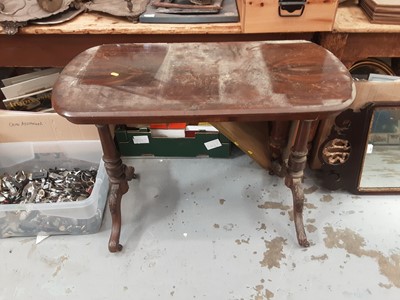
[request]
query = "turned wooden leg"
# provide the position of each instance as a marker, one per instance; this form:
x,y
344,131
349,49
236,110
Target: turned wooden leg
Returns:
x,y
119,175
293,180
277,141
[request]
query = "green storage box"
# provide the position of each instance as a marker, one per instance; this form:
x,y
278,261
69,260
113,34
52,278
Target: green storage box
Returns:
x,y
139,142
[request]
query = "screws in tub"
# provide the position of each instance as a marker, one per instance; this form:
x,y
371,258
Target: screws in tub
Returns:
x,y
47,186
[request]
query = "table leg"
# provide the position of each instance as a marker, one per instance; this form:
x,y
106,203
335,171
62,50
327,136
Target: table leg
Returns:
x,y
119,175
278,140
293,180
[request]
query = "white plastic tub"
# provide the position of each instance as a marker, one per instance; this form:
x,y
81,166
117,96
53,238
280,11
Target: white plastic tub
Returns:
x,y
80,217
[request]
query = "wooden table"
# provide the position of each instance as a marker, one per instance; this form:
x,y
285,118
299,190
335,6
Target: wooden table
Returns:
x,y
190,82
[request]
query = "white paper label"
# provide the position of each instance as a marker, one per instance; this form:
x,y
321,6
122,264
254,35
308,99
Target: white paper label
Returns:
x,y
40,238
370,148
141,139
201,128
149,15
213,144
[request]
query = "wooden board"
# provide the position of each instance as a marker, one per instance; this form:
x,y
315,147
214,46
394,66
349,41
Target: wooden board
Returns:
x,y
250,137
384,5
382,12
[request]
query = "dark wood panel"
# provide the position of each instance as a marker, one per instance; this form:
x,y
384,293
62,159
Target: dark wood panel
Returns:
x,y
351,47
58,49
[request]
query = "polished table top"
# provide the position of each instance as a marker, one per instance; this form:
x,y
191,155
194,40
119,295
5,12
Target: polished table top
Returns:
x,y
232,81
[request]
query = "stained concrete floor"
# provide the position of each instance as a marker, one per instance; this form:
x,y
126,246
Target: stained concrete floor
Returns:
x,y
217,229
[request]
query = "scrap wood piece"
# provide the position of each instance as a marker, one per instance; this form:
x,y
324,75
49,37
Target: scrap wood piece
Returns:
x,y
165,4
250,137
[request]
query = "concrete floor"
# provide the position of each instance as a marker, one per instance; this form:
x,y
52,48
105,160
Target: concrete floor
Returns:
x,y
217,229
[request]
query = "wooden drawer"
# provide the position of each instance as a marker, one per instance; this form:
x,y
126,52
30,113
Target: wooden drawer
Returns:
x,y
270,16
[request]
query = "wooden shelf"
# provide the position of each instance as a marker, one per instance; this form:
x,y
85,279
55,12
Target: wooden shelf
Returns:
x,y
94,23
353,37
349,18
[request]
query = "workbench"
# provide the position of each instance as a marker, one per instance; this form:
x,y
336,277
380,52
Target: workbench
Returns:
x,y
352,38
55,46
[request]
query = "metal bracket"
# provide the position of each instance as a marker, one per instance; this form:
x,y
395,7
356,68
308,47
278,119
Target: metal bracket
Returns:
x,y
290,7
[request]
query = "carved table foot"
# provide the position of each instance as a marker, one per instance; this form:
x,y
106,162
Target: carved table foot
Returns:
x,y
114,202
119,175
294,177
298,203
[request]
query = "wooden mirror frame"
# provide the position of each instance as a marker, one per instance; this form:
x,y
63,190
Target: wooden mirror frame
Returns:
x,y
342,154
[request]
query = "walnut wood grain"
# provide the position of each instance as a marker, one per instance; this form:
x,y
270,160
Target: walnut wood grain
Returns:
x,y
249,81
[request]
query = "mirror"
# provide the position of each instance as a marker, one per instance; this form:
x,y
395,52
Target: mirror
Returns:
x,y
362,152
381,163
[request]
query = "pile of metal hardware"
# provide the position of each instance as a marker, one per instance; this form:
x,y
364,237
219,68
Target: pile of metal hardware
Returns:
x,y
47,186
44,186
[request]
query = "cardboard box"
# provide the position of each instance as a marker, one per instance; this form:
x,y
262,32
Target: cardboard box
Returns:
x,y
258,16
140,142
35,126
78,217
